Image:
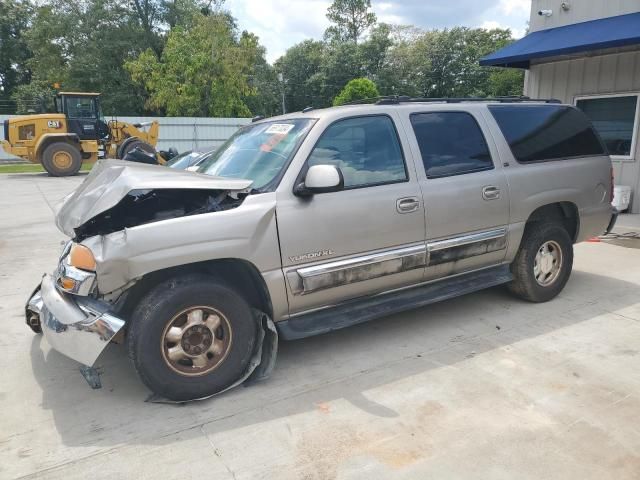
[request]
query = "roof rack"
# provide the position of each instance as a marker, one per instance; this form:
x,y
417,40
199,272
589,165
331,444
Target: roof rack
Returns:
x,y
397,99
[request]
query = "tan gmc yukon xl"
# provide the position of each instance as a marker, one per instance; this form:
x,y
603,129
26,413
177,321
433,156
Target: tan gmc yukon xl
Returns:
x,y
314,221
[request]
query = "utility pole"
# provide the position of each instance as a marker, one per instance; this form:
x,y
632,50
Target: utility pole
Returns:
x,y
281,79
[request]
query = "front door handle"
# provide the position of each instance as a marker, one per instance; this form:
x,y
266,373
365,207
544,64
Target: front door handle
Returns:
x,y
407,204
490,192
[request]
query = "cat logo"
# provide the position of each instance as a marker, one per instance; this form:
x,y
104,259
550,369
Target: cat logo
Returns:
x,y
54,124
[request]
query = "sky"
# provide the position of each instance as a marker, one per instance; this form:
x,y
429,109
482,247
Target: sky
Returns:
x,y
283,23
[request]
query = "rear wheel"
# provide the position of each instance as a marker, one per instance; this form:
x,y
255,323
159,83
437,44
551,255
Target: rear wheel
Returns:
x,y
543,264
61,159
191,337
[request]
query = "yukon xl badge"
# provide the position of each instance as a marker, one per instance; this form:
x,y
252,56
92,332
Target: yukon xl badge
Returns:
x,y
311,255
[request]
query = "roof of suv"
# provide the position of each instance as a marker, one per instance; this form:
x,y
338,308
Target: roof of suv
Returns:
x,y
386,104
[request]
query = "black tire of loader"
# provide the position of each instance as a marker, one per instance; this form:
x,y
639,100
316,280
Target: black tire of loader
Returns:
x,y
49,154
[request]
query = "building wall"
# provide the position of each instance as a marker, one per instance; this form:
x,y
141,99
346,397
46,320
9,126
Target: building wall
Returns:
x,y
182,133
579,11
594,75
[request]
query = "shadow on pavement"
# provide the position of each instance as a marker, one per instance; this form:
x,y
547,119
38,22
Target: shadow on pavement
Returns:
x,y
340,365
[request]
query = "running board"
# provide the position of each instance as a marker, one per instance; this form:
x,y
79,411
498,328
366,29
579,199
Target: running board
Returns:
x,y
369,308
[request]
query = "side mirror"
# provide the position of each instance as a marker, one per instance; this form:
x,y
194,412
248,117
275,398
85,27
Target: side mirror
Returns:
x,y
320,179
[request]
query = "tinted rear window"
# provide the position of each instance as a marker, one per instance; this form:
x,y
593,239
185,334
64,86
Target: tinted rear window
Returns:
x,y
451,143
546,132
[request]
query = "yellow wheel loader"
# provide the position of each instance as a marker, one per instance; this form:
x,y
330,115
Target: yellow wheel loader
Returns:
x,y
76,133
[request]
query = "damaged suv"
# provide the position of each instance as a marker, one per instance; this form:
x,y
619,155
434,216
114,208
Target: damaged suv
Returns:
x,y
314,221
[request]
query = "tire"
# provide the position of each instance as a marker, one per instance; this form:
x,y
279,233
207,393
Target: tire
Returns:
x,y
551,240
130,145
167,305
61,159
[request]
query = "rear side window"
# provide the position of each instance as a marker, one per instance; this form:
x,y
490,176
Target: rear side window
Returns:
x,y
451,143
546,132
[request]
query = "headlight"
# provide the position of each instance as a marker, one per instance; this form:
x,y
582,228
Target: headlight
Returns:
x,y
81,257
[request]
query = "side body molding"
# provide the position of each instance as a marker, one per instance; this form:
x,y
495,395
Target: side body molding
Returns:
x,y
342,272
304,280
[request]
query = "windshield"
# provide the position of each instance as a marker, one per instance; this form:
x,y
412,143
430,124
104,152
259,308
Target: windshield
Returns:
x,y
183,160
257,152
81,107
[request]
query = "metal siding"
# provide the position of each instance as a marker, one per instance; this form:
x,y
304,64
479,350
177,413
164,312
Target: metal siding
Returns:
x,y
624,72
636,75
579,11
183,133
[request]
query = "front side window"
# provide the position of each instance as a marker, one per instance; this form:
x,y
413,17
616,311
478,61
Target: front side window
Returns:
x,y
81,107
614,119
451,143
258,152
366,149
546,132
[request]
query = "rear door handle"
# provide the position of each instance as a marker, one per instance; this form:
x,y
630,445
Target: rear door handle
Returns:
x,y
407,204
490,192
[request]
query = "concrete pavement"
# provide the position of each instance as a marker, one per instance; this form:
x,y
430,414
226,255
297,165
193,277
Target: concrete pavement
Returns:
x,y
484,386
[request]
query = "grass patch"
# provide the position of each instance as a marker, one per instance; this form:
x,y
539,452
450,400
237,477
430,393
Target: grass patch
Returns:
x,y
34,168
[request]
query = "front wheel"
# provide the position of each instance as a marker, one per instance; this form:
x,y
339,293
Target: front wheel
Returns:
x,y
61,159
543,264
191,337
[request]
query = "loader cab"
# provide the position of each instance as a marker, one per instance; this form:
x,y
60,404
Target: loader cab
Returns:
x,y
83,114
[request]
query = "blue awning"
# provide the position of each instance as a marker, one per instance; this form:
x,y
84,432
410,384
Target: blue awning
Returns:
x,y
608,32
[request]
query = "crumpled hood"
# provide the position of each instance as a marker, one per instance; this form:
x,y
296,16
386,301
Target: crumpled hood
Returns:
x,y
111,180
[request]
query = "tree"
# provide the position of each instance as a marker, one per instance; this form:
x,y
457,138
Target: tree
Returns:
x,y
350,18
203,71
301,70
505,82
15,17
373,51
356,89
82,46
264,82
443,63
184,12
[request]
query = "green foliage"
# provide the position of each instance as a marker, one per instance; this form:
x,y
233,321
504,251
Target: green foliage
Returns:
x,y
443,63
34,97
350,18
266,90
82,46
401,60
505,82
14,53
202,71
34,168
356,89
187,57
302,69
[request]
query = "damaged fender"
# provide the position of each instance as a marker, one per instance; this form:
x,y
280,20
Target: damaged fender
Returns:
x,y
247,232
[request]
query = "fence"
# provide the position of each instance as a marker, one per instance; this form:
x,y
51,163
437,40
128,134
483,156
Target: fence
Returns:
x,y
182,133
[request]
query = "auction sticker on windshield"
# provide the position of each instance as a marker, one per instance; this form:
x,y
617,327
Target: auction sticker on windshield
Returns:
x,y
279,128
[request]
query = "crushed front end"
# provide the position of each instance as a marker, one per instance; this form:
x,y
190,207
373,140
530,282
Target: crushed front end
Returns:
x,y
74,322
114,217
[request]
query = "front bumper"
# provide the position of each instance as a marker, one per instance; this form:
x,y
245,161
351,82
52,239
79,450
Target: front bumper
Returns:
x,y
76,326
